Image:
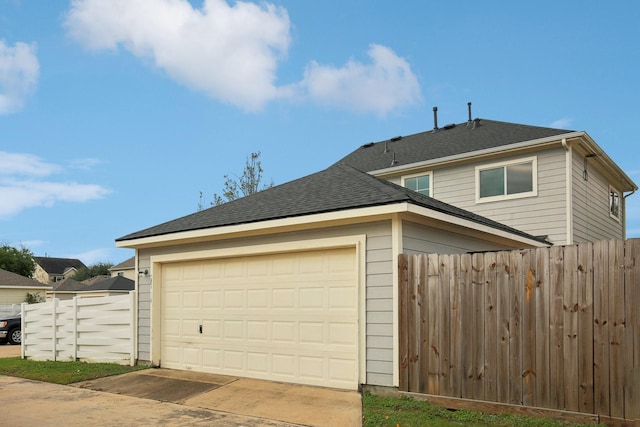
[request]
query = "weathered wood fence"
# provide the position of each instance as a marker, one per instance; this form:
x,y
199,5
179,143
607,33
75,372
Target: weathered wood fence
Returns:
x,y
98,329
555,328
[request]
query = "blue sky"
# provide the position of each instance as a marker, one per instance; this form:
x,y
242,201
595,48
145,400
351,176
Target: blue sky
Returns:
x,y
115,114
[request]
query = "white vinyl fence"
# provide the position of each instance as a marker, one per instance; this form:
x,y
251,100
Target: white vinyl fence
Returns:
x,y
100,329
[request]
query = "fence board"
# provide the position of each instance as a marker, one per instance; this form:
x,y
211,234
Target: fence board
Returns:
x,y
445,325
616,330
490,327
466,293
601,328
457,334
477,289
555,328
585,327
502,356
515,328
542,350
528,328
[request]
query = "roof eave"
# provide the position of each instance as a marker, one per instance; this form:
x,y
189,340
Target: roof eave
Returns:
x,y
367,214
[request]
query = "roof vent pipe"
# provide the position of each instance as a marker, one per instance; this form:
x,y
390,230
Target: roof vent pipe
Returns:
x,y
469,108
435,119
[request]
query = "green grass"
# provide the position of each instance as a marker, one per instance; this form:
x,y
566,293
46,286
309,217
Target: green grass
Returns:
x,y
407,412
61,372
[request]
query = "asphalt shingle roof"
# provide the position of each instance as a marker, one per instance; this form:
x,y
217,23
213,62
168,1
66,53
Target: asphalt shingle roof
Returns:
x,y
8,278
337,188
460,139
58,265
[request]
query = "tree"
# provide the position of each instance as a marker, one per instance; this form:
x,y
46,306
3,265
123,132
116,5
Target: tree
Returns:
x,y
97,269
19,261
235,187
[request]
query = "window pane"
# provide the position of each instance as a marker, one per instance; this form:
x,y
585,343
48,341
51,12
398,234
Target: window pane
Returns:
x,y
520,178
492,182
411,183
614,204
419,184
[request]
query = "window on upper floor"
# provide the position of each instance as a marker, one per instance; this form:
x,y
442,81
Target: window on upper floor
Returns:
x,y
420,183
614,203
507,180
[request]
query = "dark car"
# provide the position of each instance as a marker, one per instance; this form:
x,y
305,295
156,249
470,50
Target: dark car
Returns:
x,y
11,330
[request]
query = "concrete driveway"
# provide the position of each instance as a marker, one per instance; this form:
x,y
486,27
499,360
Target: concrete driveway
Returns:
x,y
175,398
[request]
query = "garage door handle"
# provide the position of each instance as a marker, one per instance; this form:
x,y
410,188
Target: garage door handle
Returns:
x,y
200,328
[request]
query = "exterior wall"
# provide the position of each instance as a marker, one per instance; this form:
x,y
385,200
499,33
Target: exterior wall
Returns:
x,y
417,239
40,275
541,215
17,296
378,289
128,273
590,198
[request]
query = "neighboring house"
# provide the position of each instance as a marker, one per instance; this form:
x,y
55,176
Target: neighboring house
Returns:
x,y
299,282
14,288
126,269
546,182
52,270
109,286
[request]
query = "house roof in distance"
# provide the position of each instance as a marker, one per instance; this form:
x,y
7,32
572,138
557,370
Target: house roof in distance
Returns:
x,y
58,265
10,279
337,188
127,264
450,140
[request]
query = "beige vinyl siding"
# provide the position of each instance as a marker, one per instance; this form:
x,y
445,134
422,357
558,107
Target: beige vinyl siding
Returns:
x,y
541,215
379,289
591,220
17,296
419,238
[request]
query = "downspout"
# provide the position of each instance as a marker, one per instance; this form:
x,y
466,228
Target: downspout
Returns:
x,y
569,192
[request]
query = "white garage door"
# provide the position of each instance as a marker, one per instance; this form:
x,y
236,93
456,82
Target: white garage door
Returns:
x,y
286,317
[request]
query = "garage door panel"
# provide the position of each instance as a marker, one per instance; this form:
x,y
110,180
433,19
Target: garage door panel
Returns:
x,y
285,317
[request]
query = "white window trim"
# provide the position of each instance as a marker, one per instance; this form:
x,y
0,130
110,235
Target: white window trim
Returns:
x,y
416,175
612,190
534,170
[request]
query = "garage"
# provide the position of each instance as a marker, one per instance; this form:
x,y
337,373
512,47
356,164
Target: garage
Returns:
x,y
290,317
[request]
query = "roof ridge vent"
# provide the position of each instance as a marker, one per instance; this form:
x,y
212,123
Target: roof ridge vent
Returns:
x,y
396,138
367,145
449,126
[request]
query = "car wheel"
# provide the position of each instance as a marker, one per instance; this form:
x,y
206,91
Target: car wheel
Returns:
x,y
15,336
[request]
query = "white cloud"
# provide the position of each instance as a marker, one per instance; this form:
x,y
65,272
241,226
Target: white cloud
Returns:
x,y
563,123
380,87
229,52
19,70
24,164
22,185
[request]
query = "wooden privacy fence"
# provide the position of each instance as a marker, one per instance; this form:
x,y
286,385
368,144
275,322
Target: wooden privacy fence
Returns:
x,y
92,329
555,328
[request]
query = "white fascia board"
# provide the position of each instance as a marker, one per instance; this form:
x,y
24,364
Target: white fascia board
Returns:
x,y
263,227
550,140
606,160
311,220
430,213
26,288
